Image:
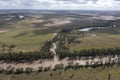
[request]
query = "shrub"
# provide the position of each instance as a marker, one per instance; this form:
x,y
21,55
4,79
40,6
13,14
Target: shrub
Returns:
x,y
40,69
9,71
28,70
47,69
19,71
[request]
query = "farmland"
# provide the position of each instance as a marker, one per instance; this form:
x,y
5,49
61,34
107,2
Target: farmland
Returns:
x,y
96,41
59,45
25,40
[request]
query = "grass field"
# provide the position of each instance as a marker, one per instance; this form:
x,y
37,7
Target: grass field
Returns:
x,y
80,74
24,39
25,35
98,41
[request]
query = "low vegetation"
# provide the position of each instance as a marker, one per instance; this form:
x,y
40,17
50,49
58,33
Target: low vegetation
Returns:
x,y
25,40
110,73
30,40
96,41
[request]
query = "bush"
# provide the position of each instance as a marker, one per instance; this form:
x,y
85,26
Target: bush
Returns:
x,y
28,70
47,69
40,69
58,66
1,70
51,74
9,71
19,71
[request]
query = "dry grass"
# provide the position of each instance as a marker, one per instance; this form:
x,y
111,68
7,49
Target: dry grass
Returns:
x,y
80,74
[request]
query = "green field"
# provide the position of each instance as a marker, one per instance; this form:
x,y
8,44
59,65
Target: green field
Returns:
x,y
79,74
97,42
24,39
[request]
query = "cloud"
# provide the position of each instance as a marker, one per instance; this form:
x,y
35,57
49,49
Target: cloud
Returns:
x,y
79,1
61,4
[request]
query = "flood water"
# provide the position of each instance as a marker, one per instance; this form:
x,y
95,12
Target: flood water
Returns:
x,y
92,28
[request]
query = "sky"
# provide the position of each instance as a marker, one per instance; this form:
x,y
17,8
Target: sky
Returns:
x,y
61,4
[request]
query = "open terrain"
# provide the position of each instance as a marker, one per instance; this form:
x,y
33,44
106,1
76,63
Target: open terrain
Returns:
x,y
97,41
25,39
80,74
59,45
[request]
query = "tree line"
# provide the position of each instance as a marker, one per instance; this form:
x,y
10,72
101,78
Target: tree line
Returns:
x,y
43,53
62,53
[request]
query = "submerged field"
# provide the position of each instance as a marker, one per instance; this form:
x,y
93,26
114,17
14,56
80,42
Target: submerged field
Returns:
x,y
79,74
